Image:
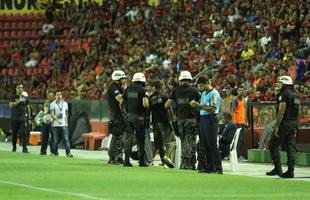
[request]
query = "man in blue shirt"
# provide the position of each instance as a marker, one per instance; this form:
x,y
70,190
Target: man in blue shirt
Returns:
x,y
209,109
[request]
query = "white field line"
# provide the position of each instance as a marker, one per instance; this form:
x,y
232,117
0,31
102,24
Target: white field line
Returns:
x,y
81,195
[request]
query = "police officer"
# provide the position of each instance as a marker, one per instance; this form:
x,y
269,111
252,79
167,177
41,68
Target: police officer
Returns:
x,y
186,117
288,102
18,104
164,137
209,109
136,103
116,125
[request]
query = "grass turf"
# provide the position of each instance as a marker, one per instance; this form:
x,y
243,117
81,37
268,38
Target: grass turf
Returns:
x,y
45,177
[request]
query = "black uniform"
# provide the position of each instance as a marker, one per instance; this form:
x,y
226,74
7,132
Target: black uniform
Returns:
x,y
137,119
117,125
287,129
187,122
18,116
163,135
46,130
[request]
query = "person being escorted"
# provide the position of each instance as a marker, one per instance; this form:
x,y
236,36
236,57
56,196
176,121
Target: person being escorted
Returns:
x,y
135,103
164,137
285,129
209,109
59,113
186,118
18,104
117,124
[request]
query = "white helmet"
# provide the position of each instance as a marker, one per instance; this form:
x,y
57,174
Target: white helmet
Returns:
x,y
138,77
185,75
25,94
117,75
286,80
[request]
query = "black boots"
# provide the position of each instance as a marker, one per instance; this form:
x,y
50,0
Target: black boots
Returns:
x,y
289,173
275,171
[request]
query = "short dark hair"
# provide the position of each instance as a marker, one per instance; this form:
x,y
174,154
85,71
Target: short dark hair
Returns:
x,y
203,80
157,84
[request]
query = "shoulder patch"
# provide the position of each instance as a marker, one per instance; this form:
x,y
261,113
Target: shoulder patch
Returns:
x,y
280,98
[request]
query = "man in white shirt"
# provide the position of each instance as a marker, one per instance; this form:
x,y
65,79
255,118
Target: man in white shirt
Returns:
x,y
59,112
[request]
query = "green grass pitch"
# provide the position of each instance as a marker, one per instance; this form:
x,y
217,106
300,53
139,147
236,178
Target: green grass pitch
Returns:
x,y
29,177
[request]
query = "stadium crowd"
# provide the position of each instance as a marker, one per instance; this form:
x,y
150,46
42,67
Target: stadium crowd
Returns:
x,y
240,43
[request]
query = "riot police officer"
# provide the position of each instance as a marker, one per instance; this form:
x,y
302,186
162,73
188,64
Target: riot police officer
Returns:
x,y
136,104
186,117
288,102
116,125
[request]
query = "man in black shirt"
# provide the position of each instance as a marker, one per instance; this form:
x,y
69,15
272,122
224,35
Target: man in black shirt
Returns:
x,y
116,125
136,103
18,105
163,135
187,118
285,128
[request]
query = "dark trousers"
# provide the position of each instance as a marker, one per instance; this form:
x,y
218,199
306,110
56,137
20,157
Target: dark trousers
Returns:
x,y
117,130
287,136
188,134
135,128
61,131
19,128
46,130
208,136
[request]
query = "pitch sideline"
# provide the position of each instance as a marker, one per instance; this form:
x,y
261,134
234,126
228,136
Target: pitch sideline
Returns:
x,y
81,195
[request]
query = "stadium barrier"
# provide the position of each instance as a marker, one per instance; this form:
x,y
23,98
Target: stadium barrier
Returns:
x,y
259,115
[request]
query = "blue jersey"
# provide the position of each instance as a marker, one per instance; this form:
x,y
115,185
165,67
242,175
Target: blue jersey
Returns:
x,y
210,98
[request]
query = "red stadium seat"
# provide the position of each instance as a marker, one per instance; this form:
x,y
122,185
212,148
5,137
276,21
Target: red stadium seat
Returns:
x,y
13,34
11,72
6,26
27,25
21,25
99,132
21,34
13,26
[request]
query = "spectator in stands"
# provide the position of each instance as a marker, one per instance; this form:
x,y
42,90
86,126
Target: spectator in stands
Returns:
x,y
34,58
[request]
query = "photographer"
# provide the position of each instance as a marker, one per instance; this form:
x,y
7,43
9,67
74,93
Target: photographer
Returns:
x,y
59,112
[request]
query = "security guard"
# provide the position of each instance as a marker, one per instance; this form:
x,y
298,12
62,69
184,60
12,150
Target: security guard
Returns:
x,y
18,104
209,109
136,104
164,137
288,103
116,125
187,118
